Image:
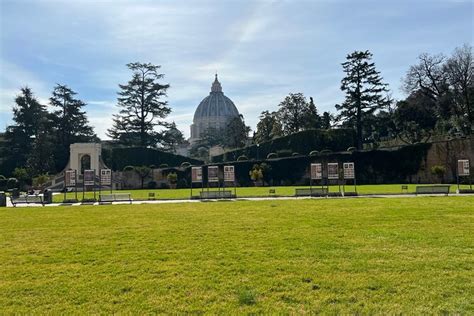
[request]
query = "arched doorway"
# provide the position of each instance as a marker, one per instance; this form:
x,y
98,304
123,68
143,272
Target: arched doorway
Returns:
x,y
85,163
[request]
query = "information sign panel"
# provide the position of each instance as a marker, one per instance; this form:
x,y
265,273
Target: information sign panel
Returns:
x,y
196,174
349,172
316,171
213,174
105,177
463,167
89,177
70,178
229,173
333,170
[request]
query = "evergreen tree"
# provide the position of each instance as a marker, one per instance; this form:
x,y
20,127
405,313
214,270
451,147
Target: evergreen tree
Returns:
x,y
172,138
312,119
142,107
69,121
236,133
326,120
364,91
28,114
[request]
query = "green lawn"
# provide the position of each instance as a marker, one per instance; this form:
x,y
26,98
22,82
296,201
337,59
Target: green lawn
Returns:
x,y
367,255
251,191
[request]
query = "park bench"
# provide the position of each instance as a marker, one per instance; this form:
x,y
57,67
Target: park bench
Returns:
x,y
405,188
311,192
216,194
27,199
115,197
433,189
151,196
272,192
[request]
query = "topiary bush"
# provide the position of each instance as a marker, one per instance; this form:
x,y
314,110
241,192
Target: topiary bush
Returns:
x,y
12,183
314,153
272,156
152,185
326,151
128,168
242,158
185,164
164,165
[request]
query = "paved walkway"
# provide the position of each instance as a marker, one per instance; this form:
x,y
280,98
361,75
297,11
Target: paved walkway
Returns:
x,y
243,199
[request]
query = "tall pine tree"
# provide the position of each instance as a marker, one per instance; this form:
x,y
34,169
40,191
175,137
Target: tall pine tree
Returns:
x,y
142,108
69,121
364,92
28,115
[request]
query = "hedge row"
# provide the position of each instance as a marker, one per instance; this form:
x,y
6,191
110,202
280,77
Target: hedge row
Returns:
x,y
372,167
303,143
118,158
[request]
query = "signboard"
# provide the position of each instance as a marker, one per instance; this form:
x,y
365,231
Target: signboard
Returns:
x,y
213,174
463,167
105,177
89,177
229,174
349,172
316,171
70,178
333,170
196,174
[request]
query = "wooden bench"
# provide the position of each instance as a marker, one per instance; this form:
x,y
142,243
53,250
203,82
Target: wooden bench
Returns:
x,y
216,194
311,192
115,197
433,189
27,199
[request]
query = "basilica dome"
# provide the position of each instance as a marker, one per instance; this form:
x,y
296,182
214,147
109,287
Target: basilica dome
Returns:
x,y
214,111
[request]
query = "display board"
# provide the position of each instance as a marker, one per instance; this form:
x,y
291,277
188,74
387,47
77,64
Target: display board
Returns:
x,y
349,172
213,174
463,167
70,178
89,177
229,173
333,170
196,174
105,177
316,171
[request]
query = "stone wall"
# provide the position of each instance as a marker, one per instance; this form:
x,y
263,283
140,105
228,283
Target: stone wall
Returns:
x,y
446,153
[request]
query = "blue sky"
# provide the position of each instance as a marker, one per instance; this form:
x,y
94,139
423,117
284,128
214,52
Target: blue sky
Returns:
x,y
262,50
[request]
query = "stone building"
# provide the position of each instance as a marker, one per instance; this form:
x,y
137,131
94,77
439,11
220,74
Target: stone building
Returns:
x,y
214,111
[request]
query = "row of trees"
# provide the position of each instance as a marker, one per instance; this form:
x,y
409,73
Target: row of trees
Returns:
x,y
39,140
440,98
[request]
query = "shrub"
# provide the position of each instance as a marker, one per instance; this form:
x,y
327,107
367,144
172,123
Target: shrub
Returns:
x,y
128,168
438,171
272,156
172,177
164,165
186,164
152,185
295,154
314,153
2,177
351,149
152,167
242,158
12,183
326,151
182,183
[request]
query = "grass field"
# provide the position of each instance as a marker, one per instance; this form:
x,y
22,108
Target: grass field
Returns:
x,y
362,255
251,191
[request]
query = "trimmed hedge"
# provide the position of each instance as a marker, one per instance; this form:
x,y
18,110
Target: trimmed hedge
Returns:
x,y
372,167
302,142
118,158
